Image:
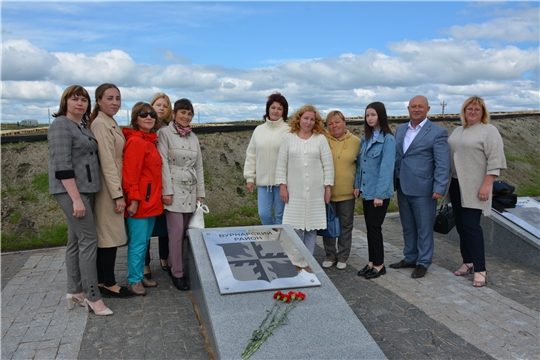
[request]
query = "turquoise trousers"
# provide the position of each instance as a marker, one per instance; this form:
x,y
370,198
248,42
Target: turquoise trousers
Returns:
x,y
139,233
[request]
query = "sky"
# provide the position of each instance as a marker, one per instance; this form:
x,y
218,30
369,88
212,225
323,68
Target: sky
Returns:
x,y
228,57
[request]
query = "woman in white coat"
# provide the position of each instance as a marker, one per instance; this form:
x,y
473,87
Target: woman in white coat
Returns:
x,y
305,174
183,182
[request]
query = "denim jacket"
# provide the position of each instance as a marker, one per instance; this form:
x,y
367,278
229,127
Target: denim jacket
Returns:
x,y
375,168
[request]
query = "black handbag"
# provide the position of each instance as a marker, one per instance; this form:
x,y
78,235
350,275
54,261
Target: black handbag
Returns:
x,y
444,222
502,188
333,228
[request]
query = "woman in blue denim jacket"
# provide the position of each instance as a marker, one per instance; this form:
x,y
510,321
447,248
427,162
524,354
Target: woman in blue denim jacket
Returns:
x,y
374,179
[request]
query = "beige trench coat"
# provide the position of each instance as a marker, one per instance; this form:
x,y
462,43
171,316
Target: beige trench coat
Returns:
x,y
110,226
183,175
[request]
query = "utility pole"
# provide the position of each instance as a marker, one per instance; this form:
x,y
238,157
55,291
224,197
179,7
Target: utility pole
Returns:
x,y
199,115
443,105
49,112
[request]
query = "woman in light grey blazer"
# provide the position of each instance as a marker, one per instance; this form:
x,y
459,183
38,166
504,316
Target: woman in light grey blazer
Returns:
x,y
74,181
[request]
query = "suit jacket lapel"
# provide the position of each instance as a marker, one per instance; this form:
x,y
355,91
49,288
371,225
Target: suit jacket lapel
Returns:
x,y
400,137
423,132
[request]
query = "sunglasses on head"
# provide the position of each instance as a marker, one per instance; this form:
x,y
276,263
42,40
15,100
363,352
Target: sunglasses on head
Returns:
x,y
144,114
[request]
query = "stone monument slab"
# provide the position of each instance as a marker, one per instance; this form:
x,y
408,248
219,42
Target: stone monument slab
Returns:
x,y
323,326
256,259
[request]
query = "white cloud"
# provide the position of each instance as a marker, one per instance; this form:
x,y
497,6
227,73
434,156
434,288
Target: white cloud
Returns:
x,y
508,25
442,69
22,60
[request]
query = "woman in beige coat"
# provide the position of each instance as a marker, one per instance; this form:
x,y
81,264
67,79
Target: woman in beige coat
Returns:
x,y
110,204
183,182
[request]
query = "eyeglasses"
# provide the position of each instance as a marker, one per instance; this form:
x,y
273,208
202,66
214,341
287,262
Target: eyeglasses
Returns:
x,y
470,109
144,114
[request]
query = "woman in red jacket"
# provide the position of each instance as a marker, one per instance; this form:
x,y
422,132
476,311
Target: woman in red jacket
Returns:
x,y
141,180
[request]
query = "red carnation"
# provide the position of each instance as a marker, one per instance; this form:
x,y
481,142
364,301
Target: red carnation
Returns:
x,y
278,295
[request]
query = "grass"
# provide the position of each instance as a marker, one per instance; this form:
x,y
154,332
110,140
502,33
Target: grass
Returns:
x,y
40,182
49,236
15,217
29,196
244,216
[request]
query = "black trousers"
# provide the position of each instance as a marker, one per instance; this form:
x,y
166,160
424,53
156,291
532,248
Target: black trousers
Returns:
x,y
105,261
471,235
163,250
374,217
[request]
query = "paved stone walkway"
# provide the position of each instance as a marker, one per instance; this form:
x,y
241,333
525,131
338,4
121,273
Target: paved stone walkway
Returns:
x,y
438,317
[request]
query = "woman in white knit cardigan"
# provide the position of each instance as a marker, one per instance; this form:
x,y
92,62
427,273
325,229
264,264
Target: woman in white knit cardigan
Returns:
x,y
305,174
261,159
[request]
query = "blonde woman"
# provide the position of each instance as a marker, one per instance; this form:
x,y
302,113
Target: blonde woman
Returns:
x,y
162,106
477,157
345,147
305,175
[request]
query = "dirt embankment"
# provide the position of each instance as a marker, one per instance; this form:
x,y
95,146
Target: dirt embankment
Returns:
x,y
27,208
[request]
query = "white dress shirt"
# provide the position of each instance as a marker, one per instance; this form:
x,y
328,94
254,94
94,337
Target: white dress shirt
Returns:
x,y
411,134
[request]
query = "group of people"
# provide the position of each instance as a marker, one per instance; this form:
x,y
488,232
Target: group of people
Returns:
x,y
118,186
299,166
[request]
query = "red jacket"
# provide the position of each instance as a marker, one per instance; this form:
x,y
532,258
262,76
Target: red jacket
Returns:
x,y
141,173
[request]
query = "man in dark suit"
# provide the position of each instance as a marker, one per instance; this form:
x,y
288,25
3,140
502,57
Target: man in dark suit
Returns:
x,y
422,171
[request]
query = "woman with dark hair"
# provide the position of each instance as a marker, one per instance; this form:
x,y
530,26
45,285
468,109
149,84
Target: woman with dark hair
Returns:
x,y
162,106
73,181
261,159
305,174
344,146
110,203
476,158
141,181
374,180
183,183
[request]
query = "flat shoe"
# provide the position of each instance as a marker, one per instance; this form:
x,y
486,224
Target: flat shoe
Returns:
x,y
148,283
419,272
364,271
148,276
477,283
180,283
166,268
402,265
470,270
123,293
328,263
341,265
374,273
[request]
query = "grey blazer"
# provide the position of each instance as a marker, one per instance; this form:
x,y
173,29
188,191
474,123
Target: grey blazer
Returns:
x,y
72,154
425,167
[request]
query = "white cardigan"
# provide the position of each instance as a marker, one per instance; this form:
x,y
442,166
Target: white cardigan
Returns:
x,y
306,167
475,152
262,152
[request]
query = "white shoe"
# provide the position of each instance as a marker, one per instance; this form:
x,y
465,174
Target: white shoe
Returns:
x,y
328,263
341,265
